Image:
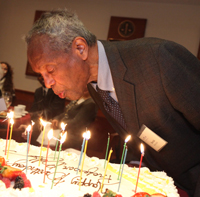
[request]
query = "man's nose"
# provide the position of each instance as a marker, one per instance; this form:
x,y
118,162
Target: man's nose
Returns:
x,y
49,81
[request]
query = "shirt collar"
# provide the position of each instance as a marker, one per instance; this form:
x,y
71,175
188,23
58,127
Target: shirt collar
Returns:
x,y
104,80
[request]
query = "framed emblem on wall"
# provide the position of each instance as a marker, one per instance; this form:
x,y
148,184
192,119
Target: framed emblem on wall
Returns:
x,y
123,28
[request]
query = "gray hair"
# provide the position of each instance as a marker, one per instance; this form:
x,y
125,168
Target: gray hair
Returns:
x,y
61,27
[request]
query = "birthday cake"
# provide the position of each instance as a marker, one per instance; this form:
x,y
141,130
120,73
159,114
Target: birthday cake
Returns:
x,y
66,182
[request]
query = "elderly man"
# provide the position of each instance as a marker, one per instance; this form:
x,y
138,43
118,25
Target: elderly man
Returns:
x,y
148,88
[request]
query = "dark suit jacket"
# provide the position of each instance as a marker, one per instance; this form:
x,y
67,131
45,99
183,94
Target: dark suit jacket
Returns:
x,y
47,106
157,83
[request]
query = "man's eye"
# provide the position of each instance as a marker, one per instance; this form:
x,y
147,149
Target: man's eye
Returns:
x,y
51,70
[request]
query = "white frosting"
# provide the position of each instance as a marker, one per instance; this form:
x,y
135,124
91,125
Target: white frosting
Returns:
x,y
66,183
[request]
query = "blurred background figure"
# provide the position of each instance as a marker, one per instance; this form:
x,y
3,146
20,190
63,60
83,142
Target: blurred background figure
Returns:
x,y
6,83
78,115
46,103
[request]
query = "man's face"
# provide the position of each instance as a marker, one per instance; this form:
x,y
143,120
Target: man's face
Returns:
x,y
66,74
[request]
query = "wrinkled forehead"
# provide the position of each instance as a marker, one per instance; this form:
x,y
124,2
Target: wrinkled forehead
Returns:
x,y
37,50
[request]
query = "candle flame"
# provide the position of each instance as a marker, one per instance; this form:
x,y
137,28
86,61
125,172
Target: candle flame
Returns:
x,y
128,138
87,135
142,149
10,115
84,135
63,137
28,128
50,134
11,121
43,122
63,126
32,122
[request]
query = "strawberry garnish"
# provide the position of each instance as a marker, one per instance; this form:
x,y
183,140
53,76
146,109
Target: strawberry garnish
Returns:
x,y
96,194
27,183
2,161
141,194
10,172
6,181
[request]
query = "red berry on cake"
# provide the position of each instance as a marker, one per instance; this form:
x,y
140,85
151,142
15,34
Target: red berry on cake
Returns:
x,y
141,194
96,194
27,183
2,161
6,181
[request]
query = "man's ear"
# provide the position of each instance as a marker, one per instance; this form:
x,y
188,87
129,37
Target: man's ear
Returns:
x,y
80,47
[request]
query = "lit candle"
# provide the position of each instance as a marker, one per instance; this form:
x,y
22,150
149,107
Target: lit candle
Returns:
x,y
30,134
142,155
28,129
87,138
126,140
63,137
63,129
106,169
107,149
9,116
50,135
82,147
11,128
122,168
44,125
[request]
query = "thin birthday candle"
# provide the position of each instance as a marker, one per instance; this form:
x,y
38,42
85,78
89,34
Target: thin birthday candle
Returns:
x,y
30,134
106,169
61,142
44,125
50,135
126,140
63,129
87,138
9,116
28,129
107,149
122,168
11,128
55,150
142,155
82,147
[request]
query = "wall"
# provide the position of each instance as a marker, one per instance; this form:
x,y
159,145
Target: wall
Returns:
x,y
179,23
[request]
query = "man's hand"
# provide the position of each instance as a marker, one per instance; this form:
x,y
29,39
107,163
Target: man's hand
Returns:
x,y
24,135
54,124
23,127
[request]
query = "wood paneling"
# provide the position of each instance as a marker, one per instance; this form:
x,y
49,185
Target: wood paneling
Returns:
x,y
23,97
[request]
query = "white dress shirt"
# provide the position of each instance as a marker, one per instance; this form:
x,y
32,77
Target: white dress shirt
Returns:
x,y
104,79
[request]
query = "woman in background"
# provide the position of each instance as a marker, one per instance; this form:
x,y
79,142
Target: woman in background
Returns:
x,y
6,82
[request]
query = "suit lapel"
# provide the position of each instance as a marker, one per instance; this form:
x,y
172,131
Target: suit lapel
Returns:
x,y
125,90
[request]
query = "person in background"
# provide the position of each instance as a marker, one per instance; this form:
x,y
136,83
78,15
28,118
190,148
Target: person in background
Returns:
x,y
78,115
6,81
46,104
146,85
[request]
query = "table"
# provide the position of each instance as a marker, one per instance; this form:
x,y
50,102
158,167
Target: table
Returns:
x,y
17,121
